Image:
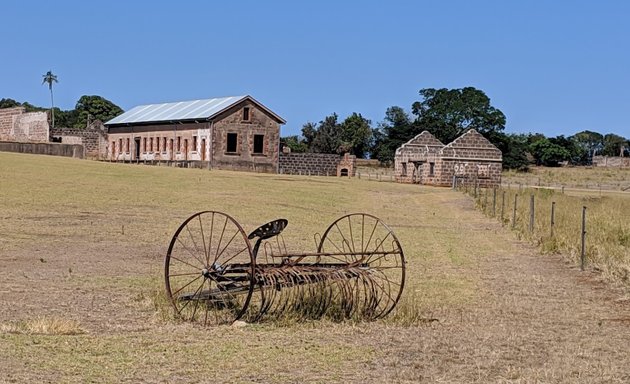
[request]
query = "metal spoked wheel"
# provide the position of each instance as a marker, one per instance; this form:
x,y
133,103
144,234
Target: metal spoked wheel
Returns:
x,y
209,269
372,282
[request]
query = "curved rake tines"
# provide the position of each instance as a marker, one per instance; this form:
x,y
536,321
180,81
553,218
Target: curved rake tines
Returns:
x,y
370,251
209,269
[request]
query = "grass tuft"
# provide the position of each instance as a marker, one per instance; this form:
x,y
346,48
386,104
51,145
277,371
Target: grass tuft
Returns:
x,y
51,326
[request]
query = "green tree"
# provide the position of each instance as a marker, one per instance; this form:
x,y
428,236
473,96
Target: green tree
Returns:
x,y
296,144
90,108
394,131
514,148
547,153
9,103
356,135
576,153
448,113
328,137
614,145
50,78
590,142
309,131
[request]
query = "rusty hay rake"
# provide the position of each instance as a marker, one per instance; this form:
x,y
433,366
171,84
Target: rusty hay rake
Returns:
x,y
213,274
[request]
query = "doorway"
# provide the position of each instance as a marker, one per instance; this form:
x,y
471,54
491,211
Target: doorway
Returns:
x,y
137,147
203,149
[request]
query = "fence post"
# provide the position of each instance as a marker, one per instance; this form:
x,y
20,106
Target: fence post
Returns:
x,y
485,200
514,212
454,182
553,214
502,205
494,202
531,214
583,256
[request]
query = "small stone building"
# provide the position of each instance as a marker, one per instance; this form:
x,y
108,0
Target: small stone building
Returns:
x,y
470,158
225,133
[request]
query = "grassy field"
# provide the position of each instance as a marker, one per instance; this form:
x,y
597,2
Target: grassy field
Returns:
x,y
81,254
607,241
593,178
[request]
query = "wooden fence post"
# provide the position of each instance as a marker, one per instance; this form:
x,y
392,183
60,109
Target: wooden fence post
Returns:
x,y
494,202
514,212
553,214
531,214
502,205
583,255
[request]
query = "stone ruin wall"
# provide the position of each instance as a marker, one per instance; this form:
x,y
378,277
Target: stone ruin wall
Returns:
x,y
314,164
611,161
93,139
16,125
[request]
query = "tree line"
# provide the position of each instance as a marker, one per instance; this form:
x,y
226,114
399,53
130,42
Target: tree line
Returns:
x,y
447,114
87,109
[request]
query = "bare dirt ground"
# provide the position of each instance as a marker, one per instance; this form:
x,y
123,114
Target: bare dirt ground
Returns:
x,y
523,318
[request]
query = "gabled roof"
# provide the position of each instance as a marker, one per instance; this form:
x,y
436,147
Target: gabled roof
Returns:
x,y
471,138
425,138
192,110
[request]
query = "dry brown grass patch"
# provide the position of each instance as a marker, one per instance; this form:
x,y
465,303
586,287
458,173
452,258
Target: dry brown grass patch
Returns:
x,y
51,326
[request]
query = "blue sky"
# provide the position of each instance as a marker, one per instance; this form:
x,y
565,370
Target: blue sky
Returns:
x,y
556,67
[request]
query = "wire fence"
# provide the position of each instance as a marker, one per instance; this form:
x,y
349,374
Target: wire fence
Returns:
x,y
593,229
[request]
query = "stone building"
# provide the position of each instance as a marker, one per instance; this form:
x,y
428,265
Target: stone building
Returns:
x,y
470,158
17,125
225,133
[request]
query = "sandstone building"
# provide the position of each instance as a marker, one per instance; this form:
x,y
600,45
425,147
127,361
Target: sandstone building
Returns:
x,y
470,158
224,133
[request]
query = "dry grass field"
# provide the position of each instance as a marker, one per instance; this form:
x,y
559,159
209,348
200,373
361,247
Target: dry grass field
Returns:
x,y
594,178
81,252
607,224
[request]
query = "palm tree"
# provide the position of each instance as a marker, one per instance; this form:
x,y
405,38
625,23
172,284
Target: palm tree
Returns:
x,y
51,78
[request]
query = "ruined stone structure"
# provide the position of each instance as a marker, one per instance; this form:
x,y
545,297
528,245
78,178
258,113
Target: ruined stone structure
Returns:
x,y
93,138
315,164
225,133
611,161
470,158
346,165
17,125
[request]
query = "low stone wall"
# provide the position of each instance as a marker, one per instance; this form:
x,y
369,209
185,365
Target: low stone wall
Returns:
x,y
316,164
611,161
53,149
94,139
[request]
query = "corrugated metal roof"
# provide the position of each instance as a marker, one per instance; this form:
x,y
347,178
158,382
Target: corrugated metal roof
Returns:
x,y
183,110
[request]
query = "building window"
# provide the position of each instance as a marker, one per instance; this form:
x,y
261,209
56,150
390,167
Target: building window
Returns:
x,y
431,169
151,144
120,147
113,148
179,143
246,114
128,147
164,144
194,147
232,139
403,171
259,141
